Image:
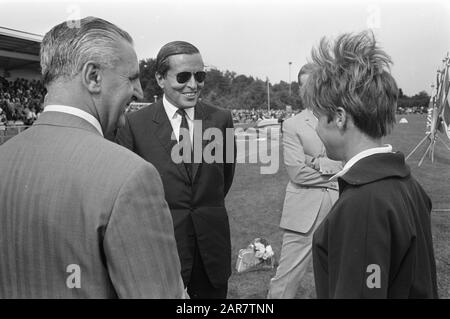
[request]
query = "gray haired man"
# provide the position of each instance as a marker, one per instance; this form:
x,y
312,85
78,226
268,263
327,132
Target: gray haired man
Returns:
x,y
81,217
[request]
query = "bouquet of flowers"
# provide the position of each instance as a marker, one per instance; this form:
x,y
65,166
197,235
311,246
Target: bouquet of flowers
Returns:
x,y
257,255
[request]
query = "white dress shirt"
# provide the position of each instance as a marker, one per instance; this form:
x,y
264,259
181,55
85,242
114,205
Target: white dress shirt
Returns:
x,y
371,151
77,112
175,118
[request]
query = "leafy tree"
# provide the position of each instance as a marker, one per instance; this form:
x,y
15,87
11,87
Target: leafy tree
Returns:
x,y
416,102
150,87
230,90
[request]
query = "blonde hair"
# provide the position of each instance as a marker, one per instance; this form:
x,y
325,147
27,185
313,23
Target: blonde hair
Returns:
x,y
354,73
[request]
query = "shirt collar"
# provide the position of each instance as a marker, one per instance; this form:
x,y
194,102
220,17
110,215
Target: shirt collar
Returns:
x,y
371,151
77,112
171,109
311,114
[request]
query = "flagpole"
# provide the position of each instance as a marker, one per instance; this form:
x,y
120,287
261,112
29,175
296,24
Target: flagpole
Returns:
x,y
445,111
438,102
290,83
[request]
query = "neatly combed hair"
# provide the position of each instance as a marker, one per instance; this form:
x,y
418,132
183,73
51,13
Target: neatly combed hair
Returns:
x,y
69,45
354,73
169,49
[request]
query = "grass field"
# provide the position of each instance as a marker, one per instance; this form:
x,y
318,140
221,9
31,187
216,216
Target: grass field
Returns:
x,y
255,203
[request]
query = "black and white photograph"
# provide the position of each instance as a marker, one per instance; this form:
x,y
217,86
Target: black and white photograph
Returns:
x,y
226,153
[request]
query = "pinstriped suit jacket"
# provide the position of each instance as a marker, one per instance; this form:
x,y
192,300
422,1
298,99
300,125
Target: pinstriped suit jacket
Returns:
x,y
70,197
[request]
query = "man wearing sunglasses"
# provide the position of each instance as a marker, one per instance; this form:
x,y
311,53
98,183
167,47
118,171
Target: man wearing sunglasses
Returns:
x,y
194,190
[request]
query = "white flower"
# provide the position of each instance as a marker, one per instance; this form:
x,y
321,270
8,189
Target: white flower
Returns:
x,y
260,247
259,254
268,253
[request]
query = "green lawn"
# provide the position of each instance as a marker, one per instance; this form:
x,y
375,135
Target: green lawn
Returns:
x,y
255,202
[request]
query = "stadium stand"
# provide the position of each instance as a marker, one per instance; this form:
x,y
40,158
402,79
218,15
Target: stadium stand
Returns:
x,y
21,92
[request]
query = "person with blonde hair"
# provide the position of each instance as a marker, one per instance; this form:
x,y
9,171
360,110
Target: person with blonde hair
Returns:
x,y
376,241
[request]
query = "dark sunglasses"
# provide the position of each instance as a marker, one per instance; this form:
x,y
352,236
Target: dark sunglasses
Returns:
x,y
183,77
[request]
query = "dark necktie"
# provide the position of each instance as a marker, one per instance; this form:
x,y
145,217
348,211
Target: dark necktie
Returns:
x,y
184,125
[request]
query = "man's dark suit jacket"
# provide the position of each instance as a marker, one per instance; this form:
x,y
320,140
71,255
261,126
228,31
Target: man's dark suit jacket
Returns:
x,y
197,204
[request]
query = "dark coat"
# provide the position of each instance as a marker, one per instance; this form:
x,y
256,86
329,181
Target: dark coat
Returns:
x,y
197,205
381,219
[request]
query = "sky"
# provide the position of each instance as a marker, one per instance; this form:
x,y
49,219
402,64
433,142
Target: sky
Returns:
x,y
260,37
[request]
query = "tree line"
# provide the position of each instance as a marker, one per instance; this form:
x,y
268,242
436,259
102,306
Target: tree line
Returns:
x,y
229,90
417,101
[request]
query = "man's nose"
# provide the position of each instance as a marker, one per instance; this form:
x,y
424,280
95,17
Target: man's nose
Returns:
x,y
192,83
137,92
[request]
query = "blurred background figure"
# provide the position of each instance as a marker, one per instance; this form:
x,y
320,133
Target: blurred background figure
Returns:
x,y
309,195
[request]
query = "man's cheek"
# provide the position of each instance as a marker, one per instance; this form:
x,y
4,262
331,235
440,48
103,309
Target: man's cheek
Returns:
x,y
121,121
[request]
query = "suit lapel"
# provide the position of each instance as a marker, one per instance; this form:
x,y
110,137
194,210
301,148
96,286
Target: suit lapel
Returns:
x,y
163,131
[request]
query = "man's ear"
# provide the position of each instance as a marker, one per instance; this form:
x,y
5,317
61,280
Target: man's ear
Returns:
x,y
91,76
160,80
341,118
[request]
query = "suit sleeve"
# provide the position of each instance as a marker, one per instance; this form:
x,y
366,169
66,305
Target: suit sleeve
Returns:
x,y
328,167
359,248
139,243
300,167
229,167
124,136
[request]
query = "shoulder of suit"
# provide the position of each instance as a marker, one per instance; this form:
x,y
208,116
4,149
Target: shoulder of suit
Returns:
x,y
296,119
115,154
214,113
123,168
143,112
212,109
304,115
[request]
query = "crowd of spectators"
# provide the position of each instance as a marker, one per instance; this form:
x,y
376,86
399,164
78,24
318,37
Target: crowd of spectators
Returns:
x,y
249,116
21,101
412,110
253,116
